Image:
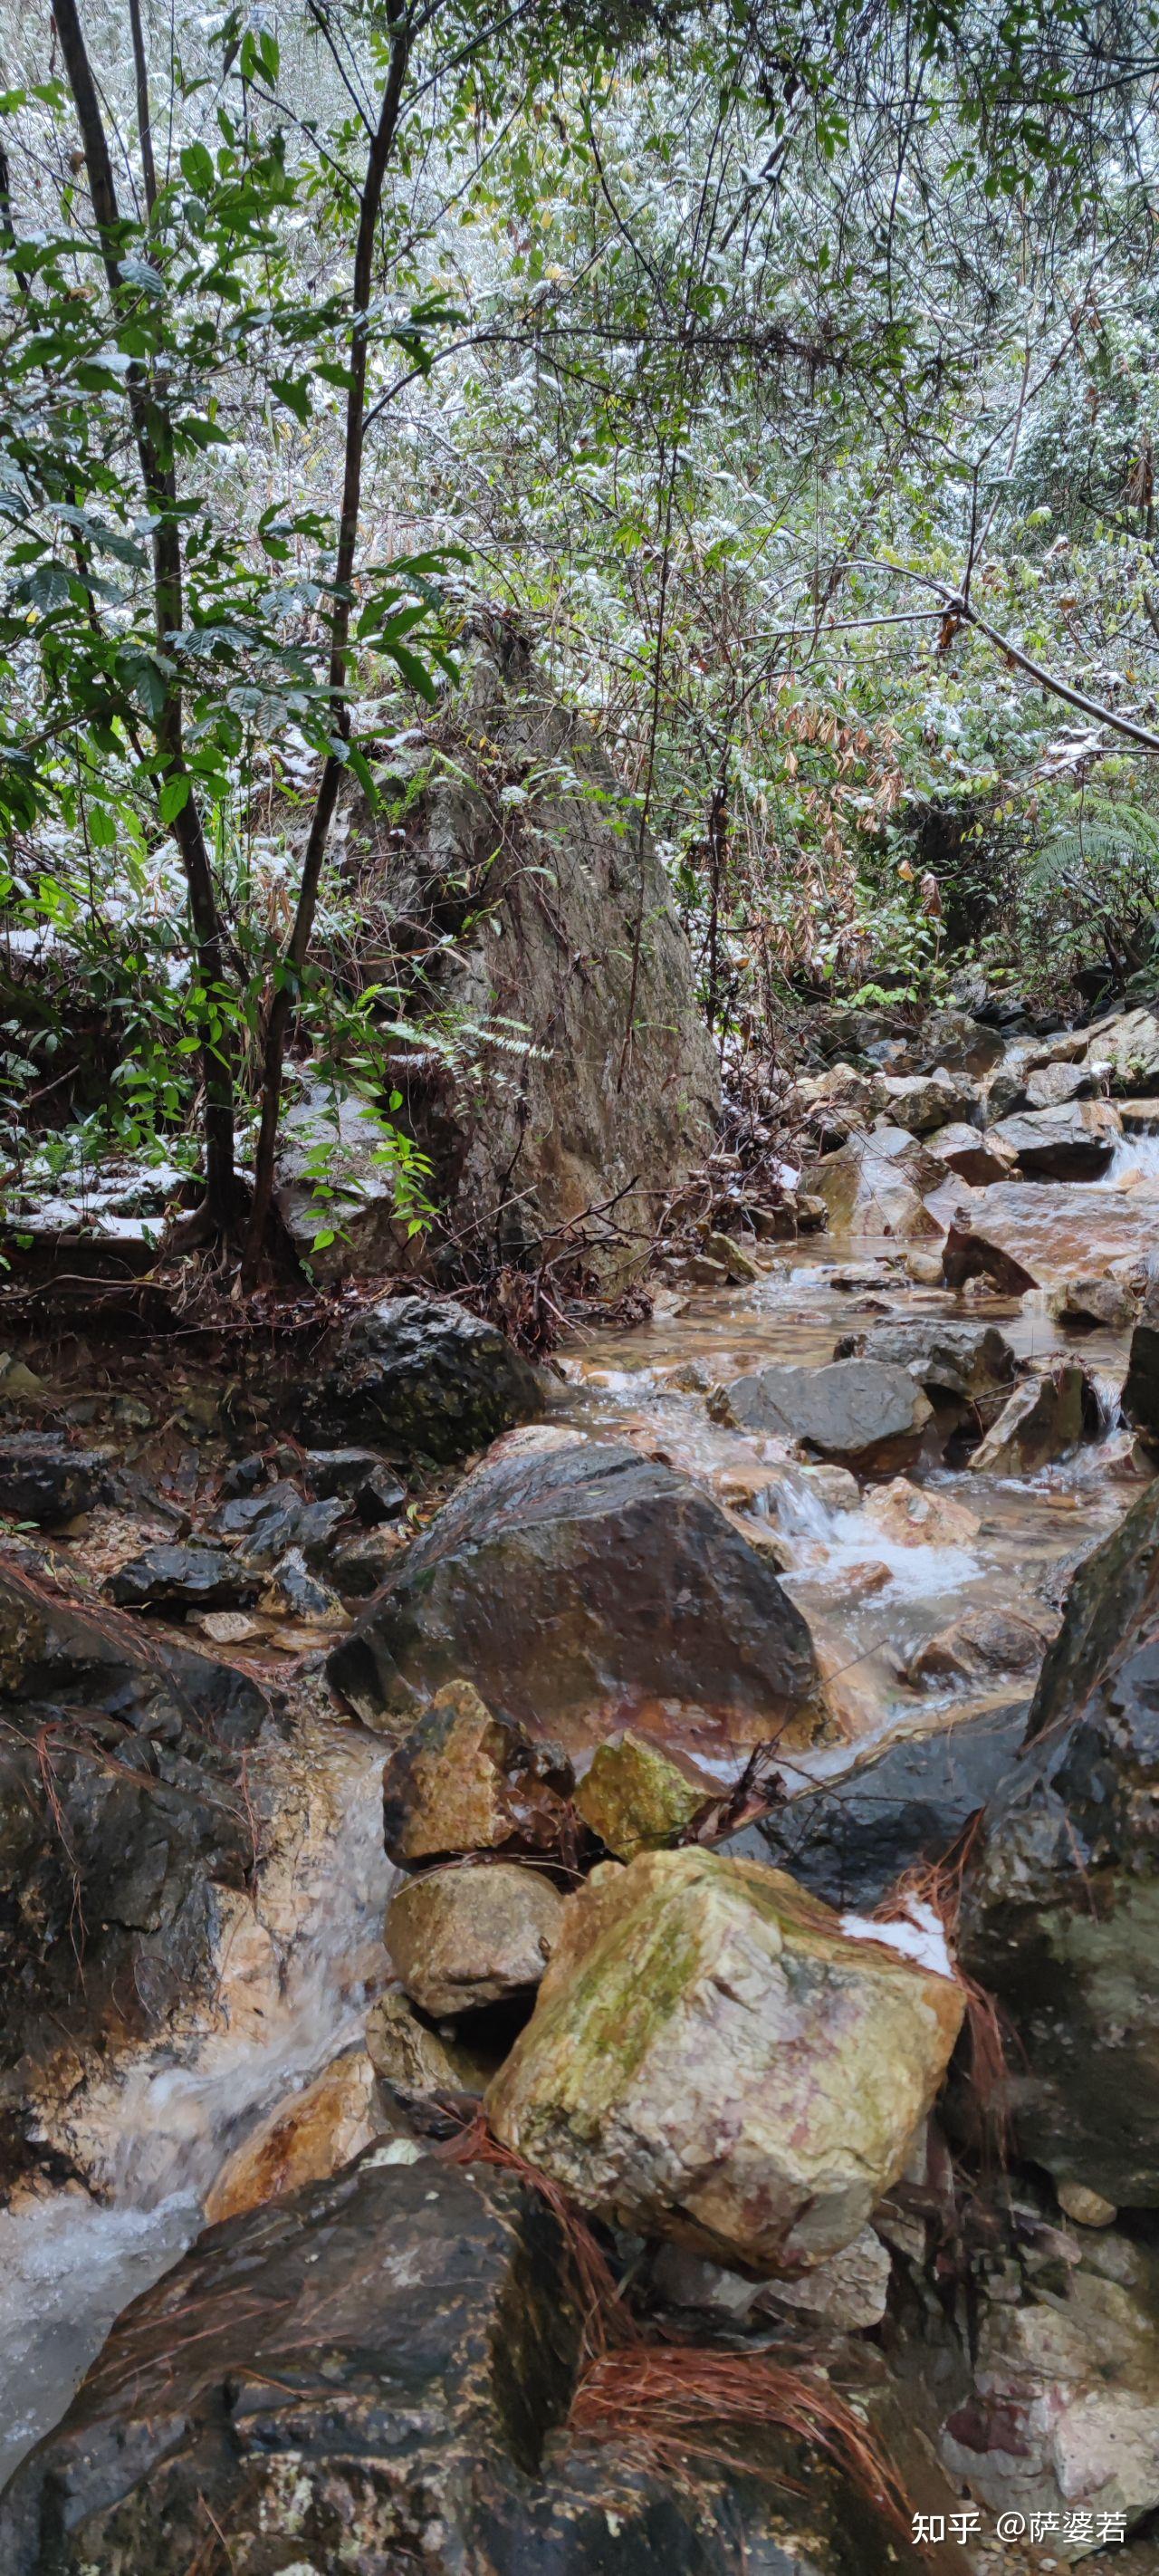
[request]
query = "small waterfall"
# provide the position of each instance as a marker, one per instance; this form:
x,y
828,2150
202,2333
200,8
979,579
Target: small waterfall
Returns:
x,y
155,2134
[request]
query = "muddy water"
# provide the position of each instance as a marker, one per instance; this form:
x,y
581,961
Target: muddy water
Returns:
x,y
299,1966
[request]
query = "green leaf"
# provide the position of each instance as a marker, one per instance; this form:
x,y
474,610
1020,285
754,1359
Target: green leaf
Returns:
x,y
174,797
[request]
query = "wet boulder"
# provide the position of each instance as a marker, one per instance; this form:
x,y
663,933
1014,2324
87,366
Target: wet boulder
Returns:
x,y
717,2057
1060,1916
582,1587
1071,1143
850,1839
263,1526
465,1780
921,1515
1044,1419
983,1642
967,1360
1061,2420
976,1154
1030,1234
305,2138
1141,1390
421,1377
380,2379
461,1938
44,1478
120,1808
870,1188
361,1477
865,1414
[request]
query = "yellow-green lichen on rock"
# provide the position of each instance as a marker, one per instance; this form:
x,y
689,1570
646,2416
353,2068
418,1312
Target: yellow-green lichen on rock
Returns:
x,y
637,1798
716,2058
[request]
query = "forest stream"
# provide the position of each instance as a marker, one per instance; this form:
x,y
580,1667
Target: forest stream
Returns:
x,y
930,1600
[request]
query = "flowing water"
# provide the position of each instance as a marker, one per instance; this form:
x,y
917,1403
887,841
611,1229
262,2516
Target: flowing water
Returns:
x,y
300,1965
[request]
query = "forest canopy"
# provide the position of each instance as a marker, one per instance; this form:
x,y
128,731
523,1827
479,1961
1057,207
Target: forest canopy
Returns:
x,y
784,372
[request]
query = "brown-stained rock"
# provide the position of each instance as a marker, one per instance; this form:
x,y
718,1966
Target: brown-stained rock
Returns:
x,y
305,2138
465,1780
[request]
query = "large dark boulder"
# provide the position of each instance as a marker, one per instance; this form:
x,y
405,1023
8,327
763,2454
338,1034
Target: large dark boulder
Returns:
x,y
419,1376
583,1588
865,1414
851,1838
120,1811
375,2374
1060,1914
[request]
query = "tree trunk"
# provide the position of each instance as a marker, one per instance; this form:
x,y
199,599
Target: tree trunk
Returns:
x,y
288,983
222,1192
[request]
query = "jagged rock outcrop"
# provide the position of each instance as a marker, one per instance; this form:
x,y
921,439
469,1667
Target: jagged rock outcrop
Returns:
x,y
528,916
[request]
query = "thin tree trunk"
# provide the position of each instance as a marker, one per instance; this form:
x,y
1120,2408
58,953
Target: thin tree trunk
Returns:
x,y
150,429
286,989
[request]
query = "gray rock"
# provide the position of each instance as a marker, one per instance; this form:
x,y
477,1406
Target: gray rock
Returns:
x,y
1073,1143
976,1154
1051,1085
267,1524
924,1102
864,1414
1081,1304
44,1479
969,1360
183,1578
583,1588
1044,1419
423,1376
361,1477
851,1839
1060,1915
1128,1046
295,1589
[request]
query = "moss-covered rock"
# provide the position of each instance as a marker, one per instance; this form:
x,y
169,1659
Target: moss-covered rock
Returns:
x,y
714,2056
637,1798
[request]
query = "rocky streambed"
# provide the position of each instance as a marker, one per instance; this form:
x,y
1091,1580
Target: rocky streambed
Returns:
x,y
777,1683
